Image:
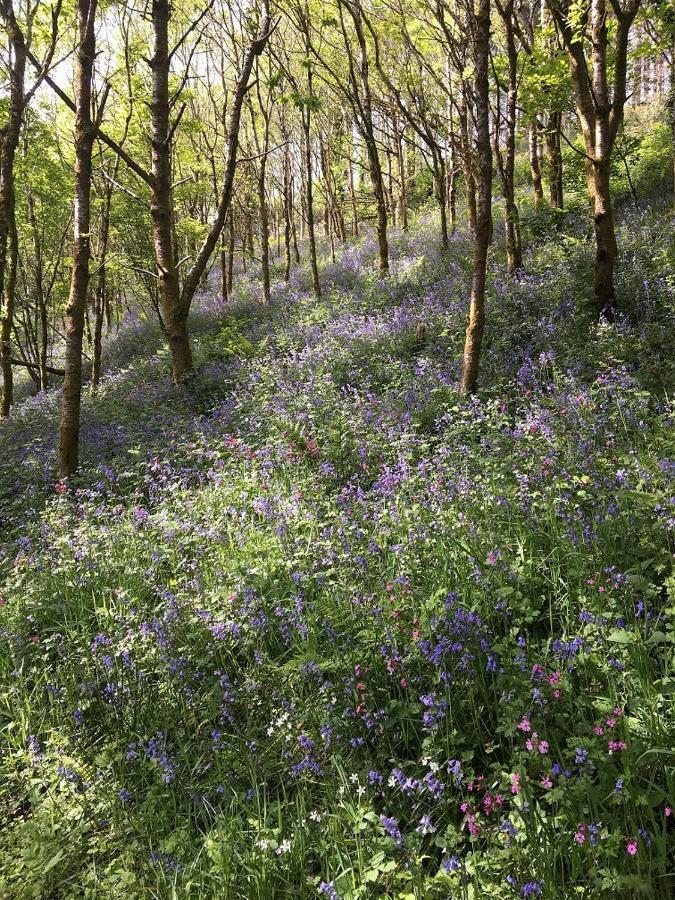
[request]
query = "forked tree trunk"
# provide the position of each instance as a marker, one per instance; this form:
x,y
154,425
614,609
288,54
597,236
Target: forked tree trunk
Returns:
x,y
85,132
481,238
365,106
600,112
174,300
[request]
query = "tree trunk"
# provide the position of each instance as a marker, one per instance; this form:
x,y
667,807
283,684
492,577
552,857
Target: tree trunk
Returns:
x,y
440,195
264,230
367,128
352,197
514,257
469,180
41,300
85,132
481,240
230,254
9,141
309,197
380,203
224,288
288,214
606,246
554,160
535,169
174,316
403,192
101,289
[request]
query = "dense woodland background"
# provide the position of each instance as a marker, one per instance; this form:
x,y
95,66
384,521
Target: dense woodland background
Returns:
x,y
336,448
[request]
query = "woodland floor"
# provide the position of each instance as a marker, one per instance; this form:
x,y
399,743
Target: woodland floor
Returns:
x,y
314,626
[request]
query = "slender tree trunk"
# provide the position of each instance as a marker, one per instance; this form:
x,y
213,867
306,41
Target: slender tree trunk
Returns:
x,y
352,197
101,290
440,195
41,300
264,230
403,193
476,324
380,203
469,180
287,226
263,206
535,169
452,179
174,315
85,132
224,288
554,160
514,257
9,141
230,254
288,213
368,134
605,238
309,196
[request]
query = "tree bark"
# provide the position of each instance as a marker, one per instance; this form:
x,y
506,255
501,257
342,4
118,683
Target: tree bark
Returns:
x,y
600,112
309,187
365,108
403,191
175,301
480,22
440,194
101,289
9,141
467,164
85,132
554,160
535,168
507,160
174,314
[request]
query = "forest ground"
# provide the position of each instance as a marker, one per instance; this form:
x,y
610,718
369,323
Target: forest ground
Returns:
x,y
315,626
